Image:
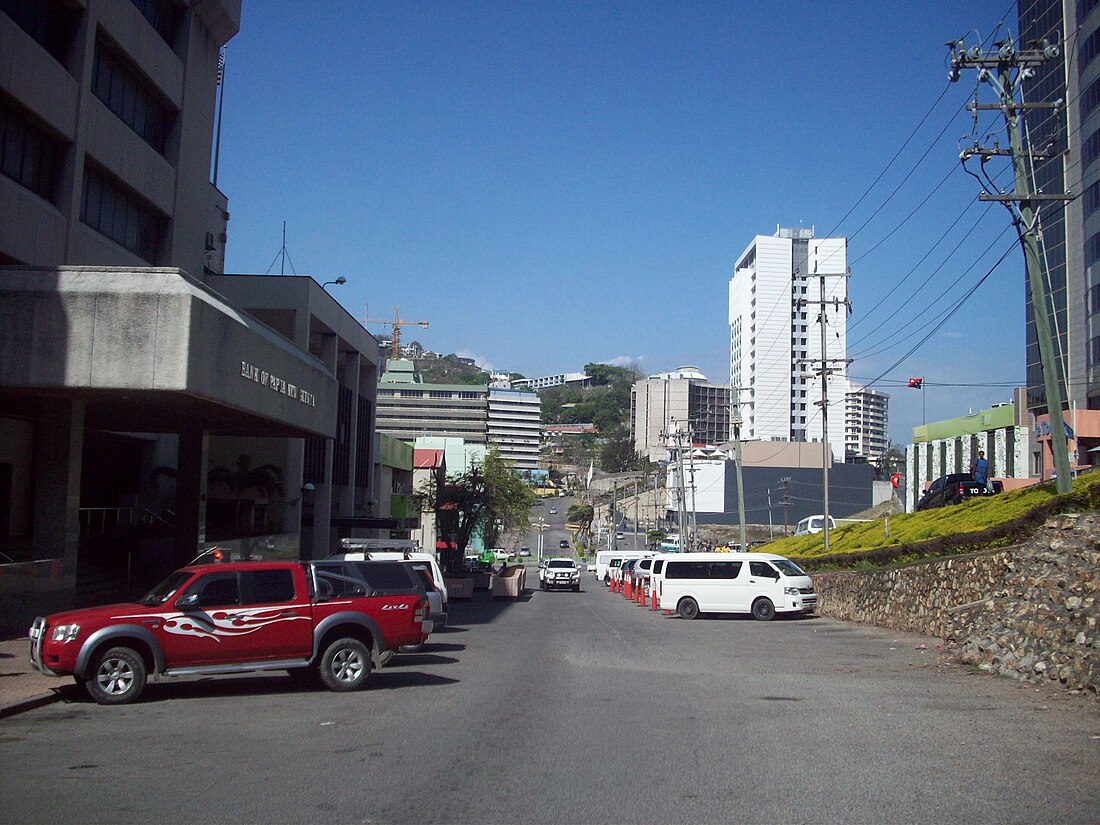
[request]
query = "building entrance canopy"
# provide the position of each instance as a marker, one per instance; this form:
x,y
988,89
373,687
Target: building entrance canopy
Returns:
x,y
153,350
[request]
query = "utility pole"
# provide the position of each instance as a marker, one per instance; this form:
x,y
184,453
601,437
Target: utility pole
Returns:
x,y
1012,66
637,512
786,482
825,370
735,432
396,324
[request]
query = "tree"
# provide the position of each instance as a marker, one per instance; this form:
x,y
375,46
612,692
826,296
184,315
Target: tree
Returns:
x,y
581,515
267,480
490,499
617,453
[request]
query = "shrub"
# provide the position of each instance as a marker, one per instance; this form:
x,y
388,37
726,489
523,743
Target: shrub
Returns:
x,y
978,524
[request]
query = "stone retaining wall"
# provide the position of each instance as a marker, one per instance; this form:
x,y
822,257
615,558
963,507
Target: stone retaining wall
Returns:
x,y
1029,611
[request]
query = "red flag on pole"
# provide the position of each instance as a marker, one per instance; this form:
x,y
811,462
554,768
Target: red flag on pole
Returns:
x,y
916,383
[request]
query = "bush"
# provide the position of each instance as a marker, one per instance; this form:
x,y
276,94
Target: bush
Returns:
x,y
978,524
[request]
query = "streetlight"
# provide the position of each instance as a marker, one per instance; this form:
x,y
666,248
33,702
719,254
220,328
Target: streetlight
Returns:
x,y
339,282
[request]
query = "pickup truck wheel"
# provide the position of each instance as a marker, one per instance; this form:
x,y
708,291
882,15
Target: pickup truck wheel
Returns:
x,y
345,666
117,677
688,608
763,610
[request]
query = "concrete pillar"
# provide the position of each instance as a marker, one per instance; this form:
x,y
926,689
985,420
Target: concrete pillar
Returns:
x,y
321,544
194,448
59,449
351,380
295,468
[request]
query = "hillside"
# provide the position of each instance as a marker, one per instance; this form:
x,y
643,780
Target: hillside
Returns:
x,y
606,403
449,370
978,524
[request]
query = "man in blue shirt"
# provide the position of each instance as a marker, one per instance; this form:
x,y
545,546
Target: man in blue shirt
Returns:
x,y
980,469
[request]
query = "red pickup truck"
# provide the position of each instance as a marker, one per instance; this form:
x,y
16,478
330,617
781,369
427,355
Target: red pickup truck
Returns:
x,y
334,619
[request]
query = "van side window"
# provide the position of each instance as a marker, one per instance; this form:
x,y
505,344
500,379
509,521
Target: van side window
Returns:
x,y
724,569
658,566
763,570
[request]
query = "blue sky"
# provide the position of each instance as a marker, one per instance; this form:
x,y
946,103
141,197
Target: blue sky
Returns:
x,y
555,183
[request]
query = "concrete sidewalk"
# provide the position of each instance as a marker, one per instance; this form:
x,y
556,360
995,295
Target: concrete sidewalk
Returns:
x,y
21,686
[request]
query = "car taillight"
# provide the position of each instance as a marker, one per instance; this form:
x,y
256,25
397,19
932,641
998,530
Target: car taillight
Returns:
x,y
962,489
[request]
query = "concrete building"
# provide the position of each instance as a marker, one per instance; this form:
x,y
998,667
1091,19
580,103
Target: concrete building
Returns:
x,y
1071,231
515,422
774,339
408,408
866,424
393,508
944,447
145,411
681,399
108,117
429,468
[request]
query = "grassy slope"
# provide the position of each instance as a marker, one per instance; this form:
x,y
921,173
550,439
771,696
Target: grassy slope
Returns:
x,y
993,521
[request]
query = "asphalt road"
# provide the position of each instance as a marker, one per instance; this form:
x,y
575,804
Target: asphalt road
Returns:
x,y
578,707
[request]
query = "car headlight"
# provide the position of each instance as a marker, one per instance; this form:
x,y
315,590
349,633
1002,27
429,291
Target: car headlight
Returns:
x,y
65,632
791,591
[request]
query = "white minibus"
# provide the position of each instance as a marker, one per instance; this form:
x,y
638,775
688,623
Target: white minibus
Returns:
x,y
762,584
607,560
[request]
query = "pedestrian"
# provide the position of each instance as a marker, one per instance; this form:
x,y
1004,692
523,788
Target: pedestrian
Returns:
x,y
979,468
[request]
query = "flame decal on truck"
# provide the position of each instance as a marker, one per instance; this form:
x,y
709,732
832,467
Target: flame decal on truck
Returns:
x,y
221,622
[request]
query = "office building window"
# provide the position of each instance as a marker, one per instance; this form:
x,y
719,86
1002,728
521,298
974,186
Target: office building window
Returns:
x,y
129,96
122,216
163,15
28,155
51,23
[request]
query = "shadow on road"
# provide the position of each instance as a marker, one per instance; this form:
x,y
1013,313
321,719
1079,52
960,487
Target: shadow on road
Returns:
x,y
482,609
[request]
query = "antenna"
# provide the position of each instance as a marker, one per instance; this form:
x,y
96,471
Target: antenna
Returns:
x,y
285,255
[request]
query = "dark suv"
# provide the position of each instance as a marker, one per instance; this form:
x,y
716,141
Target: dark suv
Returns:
x,y
955,489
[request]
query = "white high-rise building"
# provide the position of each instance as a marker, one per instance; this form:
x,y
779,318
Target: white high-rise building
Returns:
x,y
515,426
866,423
775,341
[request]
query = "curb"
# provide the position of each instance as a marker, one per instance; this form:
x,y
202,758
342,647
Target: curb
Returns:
x,y
29,703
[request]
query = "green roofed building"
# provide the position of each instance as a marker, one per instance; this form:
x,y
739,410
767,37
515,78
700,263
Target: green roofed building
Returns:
x,y
408,408
944,447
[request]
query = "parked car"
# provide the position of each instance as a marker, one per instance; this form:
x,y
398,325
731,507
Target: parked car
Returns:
x,y
560,573
332,619
620,536
524,552
955,489
564,544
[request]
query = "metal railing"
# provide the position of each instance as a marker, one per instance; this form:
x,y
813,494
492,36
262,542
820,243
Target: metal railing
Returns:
x,y
99,521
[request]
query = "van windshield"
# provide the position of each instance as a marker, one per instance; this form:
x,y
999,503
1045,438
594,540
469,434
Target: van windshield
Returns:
x,y
788,567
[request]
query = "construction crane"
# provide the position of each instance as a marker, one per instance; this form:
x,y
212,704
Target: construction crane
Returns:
x,y
396,324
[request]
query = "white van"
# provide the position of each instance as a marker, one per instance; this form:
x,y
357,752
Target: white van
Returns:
x,y
608,560
762,584
813,524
